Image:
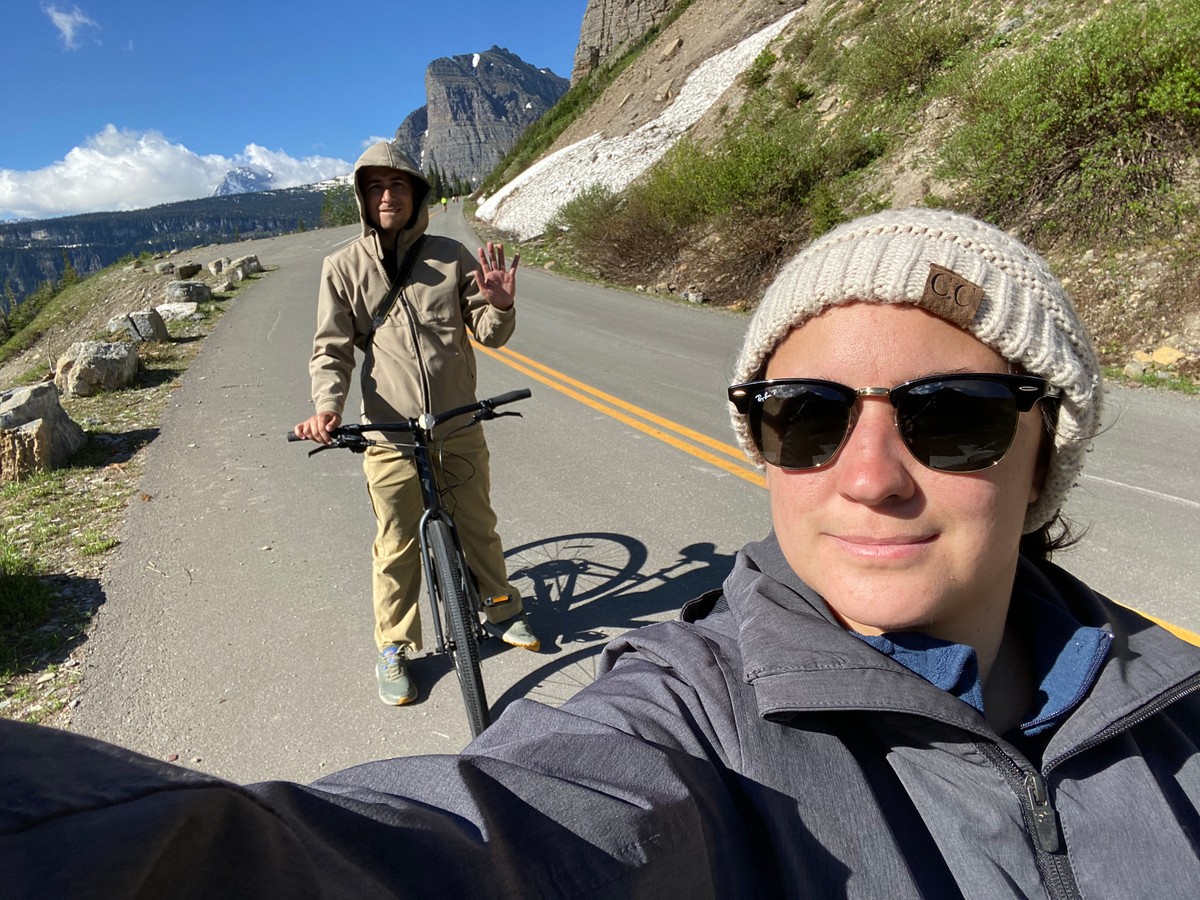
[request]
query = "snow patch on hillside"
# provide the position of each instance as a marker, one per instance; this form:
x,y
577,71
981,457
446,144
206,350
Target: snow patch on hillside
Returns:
x,y
527,203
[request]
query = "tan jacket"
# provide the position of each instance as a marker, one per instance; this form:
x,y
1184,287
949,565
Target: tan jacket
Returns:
x,y
420,359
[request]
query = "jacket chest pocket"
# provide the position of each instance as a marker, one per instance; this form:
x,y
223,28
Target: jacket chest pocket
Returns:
x,y
438,310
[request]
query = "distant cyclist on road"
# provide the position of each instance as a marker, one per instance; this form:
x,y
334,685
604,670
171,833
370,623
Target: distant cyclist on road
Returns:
x,y
406,299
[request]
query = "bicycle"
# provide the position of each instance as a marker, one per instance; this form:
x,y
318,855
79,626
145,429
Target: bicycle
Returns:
x,y
448,582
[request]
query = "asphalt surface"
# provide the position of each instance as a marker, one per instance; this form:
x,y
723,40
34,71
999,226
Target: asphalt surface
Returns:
x,y
235,637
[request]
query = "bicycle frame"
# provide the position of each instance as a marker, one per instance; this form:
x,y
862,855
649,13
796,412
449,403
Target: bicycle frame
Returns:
x,y
431,498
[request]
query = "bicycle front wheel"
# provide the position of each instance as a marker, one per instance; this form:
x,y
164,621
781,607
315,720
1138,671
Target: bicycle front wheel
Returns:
x,y
462,623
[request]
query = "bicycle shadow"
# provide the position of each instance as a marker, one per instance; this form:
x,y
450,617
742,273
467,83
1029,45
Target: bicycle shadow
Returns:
x,y
587,587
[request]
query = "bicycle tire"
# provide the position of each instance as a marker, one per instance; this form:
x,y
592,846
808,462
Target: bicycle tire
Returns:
x,y
460,616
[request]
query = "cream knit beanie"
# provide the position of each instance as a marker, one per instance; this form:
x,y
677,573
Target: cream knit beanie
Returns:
x,y
967,272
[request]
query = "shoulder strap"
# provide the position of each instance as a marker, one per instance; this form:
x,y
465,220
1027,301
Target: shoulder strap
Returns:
x,y
389,301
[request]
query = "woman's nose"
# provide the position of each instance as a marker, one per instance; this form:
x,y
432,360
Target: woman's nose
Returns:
x,y
873,465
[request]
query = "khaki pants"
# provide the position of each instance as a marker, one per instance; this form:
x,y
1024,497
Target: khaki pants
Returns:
x,y
395,493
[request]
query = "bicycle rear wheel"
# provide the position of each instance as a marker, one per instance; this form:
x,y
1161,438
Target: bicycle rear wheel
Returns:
x,y
462,622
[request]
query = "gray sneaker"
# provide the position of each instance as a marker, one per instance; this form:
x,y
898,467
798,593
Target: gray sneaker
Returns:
x,y
395,687
514,631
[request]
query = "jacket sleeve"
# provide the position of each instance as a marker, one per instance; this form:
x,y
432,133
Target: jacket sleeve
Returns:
x,y
547,803
490,326
332,362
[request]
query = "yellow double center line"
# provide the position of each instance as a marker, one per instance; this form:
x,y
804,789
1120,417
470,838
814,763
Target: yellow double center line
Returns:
x,y
724,456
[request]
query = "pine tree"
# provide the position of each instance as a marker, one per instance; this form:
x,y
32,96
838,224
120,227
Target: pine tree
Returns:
x,y
339,207
8,300
69,275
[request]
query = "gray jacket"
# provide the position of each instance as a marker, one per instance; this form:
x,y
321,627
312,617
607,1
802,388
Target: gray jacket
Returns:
x,y
753,748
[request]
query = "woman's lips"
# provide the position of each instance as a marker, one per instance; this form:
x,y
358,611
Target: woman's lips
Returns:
x,y
886,547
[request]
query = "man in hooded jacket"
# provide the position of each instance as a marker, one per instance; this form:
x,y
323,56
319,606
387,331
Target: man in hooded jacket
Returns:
x,y
418,360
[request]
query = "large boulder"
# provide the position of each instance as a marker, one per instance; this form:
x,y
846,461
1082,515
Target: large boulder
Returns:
x,y
243,267
188,292
89,367
172,312
187,270
142,325
36,434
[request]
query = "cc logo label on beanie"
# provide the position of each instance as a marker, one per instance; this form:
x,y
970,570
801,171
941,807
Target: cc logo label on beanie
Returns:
x,y
950,296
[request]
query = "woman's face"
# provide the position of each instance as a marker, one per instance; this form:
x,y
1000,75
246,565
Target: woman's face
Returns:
x,y
888,543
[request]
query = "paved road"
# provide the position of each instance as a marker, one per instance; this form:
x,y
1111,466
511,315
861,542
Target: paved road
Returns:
x,y
236,632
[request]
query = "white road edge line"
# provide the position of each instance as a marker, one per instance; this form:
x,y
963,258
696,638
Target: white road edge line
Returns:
x,y
1159,494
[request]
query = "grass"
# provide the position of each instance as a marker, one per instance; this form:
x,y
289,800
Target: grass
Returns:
x,y
1158,380
1085,136
25,602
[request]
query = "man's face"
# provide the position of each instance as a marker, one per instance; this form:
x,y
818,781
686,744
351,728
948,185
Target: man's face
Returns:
x,y
890,544
388,196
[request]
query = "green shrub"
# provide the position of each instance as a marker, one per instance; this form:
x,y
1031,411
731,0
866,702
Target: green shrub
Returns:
x,y
1081,136
759,71
904,49
790,90
339,207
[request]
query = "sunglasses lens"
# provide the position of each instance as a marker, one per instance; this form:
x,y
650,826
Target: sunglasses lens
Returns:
x,y
800,426
959,424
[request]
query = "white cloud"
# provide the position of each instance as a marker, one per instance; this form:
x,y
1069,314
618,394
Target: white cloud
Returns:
x,y
119,169
70,24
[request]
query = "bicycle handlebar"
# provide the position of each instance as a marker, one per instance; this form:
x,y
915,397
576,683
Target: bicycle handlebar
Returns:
x,y
482,407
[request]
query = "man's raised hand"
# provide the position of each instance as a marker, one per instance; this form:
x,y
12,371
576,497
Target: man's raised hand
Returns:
x,y
497,284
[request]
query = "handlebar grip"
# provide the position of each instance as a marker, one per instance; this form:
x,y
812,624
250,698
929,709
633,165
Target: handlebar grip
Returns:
x,y
292,436
511,397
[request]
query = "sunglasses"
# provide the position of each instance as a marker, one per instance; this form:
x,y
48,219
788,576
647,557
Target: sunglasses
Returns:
x,y
950,423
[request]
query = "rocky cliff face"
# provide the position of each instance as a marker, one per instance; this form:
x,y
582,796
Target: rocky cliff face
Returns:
x,y
477,106
610,24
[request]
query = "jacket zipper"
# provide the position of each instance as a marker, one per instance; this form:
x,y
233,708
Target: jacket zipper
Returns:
x,y
410,317
1037,807
1180,691
412,329
1041,821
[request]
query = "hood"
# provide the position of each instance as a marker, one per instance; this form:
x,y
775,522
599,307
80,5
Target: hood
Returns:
x,y
389,155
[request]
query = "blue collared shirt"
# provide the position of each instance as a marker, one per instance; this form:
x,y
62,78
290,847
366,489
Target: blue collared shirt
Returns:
x,y
1066,656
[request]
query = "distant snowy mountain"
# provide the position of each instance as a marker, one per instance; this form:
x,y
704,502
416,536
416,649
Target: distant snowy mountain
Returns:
x,y
335,181
245,180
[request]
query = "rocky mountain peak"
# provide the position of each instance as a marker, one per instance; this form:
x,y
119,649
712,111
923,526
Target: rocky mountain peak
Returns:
x,y
245,180
478,104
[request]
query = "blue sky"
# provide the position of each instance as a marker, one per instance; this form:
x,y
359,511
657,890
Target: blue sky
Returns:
x,y
123,104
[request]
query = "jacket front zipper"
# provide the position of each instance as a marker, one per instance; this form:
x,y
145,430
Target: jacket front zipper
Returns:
x,y
1041,820
412,329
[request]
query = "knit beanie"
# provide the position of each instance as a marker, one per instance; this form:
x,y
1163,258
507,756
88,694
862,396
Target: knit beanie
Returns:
x,y
967,272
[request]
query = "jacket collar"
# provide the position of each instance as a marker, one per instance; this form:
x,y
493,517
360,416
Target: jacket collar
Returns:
x,y
799,659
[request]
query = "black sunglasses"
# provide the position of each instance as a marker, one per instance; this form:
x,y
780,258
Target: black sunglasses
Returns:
x,y
951,423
